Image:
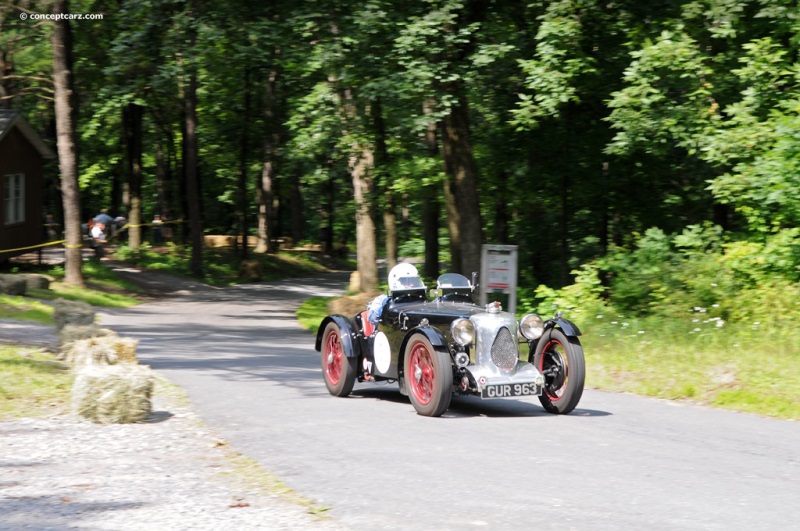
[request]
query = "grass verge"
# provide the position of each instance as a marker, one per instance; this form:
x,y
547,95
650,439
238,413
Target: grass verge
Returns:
x,y
222,265
103,288
32,383
250,474
25,309
742,366
312,311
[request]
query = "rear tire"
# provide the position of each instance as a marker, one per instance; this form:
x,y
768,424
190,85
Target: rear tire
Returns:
x,y
428,375
560,359
338,369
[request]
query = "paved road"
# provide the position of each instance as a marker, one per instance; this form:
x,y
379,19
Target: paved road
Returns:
x,y
618,462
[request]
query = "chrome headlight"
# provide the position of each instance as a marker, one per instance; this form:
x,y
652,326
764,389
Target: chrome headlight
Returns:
x,y
531,326
463,331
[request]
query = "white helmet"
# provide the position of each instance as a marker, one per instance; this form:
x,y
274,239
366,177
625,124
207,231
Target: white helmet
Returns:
x,y
404,277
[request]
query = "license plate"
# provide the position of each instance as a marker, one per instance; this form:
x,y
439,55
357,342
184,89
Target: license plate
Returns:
x,y
506,390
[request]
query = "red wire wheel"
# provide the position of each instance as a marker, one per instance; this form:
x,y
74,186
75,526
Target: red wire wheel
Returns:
x,y
560,360
428,374
338,369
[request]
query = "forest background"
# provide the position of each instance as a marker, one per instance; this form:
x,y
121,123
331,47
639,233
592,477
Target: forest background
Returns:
x,y
644,156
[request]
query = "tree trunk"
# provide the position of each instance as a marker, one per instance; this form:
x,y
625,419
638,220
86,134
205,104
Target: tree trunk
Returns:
x,y
360,165
430,204
463,178
264,190
563,230
326,212
241,185
67,147
390,233
191,170
298,221
166,179
132,118
501,216
389,206
162,177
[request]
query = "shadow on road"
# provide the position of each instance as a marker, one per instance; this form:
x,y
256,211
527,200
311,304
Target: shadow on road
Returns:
x,y
470,406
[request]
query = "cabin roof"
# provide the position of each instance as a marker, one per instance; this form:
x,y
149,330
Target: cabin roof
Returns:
x,y
10,119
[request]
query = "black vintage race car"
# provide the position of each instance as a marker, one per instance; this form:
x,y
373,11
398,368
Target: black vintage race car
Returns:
x,y
441,343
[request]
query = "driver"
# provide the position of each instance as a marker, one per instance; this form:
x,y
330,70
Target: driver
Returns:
x,y
402,278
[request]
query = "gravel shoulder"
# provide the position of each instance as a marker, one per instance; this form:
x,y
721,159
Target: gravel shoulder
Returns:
x,y
170,472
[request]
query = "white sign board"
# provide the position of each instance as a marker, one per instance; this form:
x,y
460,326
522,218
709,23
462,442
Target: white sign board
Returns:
x,y
498,281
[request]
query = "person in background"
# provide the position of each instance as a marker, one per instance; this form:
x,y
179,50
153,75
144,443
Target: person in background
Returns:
x,y
51,228
116,226
98,234
158,238
103,217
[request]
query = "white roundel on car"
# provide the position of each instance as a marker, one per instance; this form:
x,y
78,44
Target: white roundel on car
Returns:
x,y
382,352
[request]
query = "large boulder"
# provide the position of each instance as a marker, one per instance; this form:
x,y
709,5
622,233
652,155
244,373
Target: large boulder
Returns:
x,y
67,312
13,285
36,281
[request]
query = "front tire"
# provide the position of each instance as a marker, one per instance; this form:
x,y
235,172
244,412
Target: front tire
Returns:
x,y
338,369
428,374
560,359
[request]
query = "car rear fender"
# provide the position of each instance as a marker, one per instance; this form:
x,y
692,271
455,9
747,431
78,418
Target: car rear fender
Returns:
x,y
437,339
347,332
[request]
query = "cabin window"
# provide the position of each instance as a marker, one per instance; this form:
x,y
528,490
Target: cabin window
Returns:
x,y
14,198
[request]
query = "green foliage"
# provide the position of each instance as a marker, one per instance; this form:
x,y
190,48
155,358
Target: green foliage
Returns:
x,y
578,301
668,99
697,270
559,61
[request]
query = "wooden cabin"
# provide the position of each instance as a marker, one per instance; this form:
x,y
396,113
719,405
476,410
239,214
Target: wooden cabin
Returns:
x,y
22,157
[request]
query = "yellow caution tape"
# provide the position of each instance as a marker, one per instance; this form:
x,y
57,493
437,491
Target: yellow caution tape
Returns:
x,y
68,246
128,225
48,244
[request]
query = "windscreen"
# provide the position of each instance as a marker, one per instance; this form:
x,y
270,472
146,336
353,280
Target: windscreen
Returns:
x,y
452,280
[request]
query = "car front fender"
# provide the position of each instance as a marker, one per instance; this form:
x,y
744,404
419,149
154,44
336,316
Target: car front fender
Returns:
x,y
437,339
568,327
347,332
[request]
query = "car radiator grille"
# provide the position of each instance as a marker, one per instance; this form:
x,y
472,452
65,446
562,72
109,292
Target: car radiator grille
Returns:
x,y
504,350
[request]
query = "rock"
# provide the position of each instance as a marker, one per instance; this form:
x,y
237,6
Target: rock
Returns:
x,y
72,312
250,270
13,285
36,281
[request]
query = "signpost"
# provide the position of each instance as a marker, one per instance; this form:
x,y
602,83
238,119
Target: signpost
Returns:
x,y
498,281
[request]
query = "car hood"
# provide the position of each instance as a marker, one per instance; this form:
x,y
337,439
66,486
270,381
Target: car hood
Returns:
x,y
441,313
